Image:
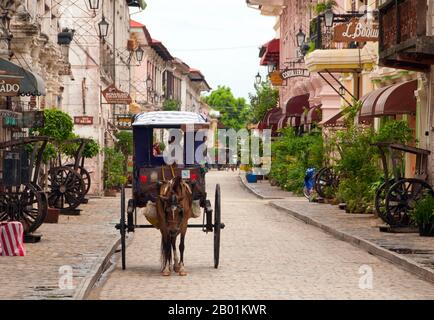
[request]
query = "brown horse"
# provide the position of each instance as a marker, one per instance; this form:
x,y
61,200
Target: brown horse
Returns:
x,y
173,210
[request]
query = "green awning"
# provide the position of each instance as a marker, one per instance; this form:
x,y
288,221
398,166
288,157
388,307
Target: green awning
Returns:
x,y
31,83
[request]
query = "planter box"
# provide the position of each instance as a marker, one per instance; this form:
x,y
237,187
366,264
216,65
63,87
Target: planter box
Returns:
x,y
52,215
110,193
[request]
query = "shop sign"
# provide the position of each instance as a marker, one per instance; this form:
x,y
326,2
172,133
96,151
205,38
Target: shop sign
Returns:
x,y
10,119
9,86
115,96
123,121
292,73
356,30
276,78
83,120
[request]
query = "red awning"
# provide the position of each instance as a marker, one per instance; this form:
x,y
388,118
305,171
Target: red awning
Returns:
x,y
270,52
296,105
392,100
369,101
282,122
294,121
303,119
398,99
314,114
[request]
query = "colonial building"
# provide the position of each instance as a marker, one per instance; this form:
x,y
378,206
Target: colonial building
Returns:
x,y
161,77
100,58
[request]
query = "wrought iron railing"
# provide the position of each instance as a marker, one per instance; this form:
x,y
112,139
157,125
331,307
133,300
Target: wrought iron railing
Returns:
x,y
321,36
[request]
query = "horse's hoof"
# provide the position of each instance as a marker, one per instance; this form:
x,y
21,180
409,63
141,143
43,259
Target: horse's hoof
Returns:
x,y
176,268
165,273
182,273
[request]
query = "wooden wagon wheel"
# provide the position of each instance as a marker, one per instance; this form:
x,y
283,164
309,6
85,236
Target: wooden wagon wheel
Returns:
x,y
401,200
326,178
66,188
380,198
85,175
26,204
217,225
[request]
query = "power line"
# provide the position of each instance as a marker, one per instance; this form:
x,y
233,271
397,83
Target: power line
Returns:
x,y
218,49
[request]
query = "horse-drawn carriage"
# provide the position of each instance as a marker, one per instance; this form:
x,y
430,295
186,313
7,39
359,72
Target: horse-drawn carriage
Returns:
x,y
396,197
152,135
21,197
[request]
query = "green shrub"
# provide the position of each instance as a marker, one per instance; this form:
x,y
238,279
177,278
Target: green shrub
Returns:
x,y
292,155
423,213
114,168
171,105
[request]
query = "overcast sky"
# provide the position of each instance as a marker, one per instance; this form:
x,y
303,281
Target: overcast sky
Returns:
x,y
218,37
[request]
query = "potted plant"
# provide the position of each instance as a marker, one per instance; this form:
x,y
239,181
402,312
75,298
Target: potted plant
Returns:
x,y
423,216
113,171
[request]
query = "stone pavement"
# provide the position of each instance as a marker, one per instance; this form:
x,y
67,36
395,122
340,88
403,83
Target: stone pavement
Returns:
x,y
264,190
76,241
265,254
409,250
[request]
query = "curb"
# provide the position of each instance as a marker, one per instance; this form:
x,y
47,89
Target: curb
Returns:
x,y
395,258
98,268
251,190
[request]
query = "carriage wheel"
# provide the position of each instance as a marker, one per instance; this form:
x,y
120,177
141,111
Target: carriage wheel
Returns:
x,y
401,200
380,198
326,179
217,225
123,229
85,175
66,188
26,204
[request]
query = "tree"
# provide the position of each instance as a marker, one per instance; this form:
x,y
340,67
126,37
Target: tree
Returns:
x,y
234,111
264,99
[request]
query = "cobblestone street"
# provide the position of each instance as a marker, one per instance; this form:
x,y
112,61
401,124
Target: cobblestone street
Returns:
x,y
265,254
78,242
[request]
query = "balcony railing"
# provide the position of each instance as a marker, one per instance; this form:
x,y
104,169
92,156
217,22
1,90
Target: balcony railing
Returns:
x,y
321,36
404,41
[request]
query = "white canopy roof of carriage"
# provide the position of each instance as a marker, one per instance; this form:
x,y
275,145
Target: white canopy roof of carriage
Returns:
x,y
155,118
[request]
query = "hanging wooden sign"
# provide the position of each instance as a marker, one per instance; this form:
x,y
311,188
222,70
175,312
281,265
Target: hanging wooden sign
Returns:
x,y
276,78
356,30
115,96
292,73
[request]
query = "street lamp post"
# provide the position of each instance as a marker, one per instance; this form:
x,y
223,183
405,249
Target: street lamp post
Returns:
x,y
139,54
258,79
94,4
301,37
103,28
329,18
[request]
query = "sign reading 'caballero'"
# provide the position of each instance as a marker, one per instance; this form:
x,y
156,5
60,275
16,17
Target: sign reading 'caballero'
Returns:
x,y
356,30
291,73
115,96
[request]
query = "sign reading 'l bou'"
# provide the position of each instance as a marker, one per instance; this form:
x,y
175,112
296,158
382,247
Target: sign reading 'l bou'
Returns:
x,y
356,30
115,96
